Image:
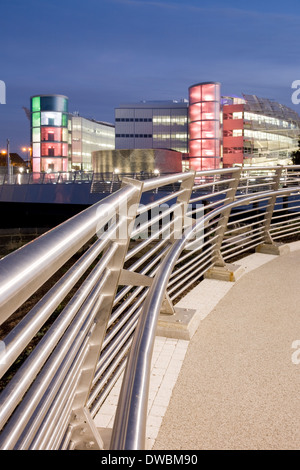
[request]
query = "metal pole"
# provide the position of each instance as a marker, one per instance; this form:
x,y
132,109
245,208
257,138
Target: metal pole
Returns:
x,y
8,162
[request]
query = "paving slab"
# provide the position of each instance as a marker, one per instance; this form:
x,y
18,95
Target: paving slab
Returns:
x,y
238,386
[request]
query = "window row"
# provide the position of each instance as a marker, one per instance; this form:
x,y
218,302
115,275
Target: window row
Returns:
x,y
54,150
133,119
50,134
135,135
180,120
49,119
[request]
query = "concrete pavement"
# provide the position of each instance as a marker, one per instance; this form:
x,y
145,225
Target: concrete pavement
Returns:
x,y
238,387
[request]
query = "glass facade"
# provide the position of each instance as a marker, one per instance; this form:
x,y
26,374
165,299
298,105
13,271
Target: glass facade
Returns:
x,y
258,131
170,129
153,124
49,133
204,126
89,136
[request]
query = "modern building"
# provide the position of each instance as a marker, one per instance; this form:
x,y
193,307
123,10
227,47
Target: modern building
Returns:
x,y
87,136
204,126
49,133
258,131
211,130
61,141
208,130
152,124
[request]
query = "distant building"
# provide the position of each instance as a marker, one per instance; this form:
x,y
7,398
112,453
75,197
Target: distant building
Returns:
x,y
87,136
49,133
62,141
211,130
204,126
152,124
258,131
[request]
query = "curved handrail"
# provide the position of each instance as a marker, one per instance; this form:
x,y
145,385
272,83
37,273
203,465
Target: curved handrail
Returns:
x,y
130,421
87,347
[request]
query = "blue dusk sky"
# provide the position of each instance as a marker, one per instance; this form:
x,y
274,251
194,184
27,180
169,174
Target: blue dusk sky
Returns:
x,y
101,53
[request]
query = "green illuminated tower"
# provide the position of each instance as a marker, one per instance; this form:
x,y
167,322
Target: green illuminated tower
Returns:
x,y
49,133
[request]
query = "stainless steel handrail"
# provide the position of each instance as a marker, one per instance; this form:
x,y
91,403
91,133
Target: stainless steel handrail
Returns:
x,y
67,377
129,431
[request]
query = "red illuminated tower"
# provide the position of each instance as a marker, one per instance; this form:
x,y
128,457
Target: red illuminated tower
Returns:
x,y
204,126
49,133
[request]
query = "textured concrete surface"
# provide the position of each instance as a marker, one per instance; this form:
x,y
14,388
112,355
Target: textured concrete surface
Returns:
x,y
238,387
167,359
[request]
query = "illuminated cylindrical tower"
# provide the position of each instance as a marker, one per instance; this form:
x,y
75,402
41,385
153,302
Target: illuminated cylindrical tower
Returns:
x,y
49,133
204,126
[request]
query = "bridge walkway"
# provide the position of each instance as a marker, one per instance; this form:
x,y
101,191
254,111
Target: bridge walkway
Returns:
x,y
238,387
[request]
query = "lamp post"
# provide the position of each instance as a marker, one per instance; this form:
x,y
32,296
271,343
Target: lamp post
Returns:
x,y
6,152
28,150
8,159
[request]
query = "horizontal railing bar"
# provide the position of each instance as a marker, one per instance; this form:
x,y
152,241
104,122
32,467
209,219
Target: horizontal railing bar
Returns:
x,y
232,245
144,271
245,246
183,281
293,221
185,269
187,255
128,342
28,327
160,181
289,233
58,363
197,276
286,227
141,245
220,171
212,183
60,405
149,223
33,264
136,377
205,196
144,208
26,374
113,353
251,221
114,375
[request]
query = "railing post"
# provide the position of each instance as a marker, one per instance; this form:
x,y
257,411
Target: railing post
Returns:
x,y
82,428
269,246
221,270
179,225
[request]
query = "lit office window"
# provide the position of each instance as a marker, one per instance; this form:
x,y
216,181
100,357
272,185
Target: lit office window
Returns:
x,y
237,115
51,118
36,119
36,135
36,104
36,150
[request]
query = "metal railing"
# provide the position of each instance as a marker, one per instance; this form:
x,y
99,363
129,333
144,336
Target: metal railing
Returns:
x,y
84,298
100,182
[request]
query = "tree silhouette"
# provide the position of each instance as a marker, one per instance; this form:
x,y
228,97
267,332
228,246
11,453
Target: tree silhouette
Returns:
x,y
295,155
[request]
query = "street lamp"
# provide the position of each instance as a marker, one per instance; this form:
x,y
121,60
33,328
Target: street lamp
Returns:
x,y
6,152
28,150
